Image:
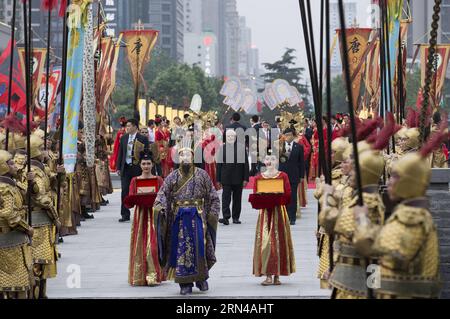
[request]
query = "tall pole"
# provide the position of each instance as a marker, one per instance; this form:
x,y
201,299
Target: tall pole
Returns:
x,y
11,66
314,83
47,77
350,101
28,102
63,101
329,114
351,110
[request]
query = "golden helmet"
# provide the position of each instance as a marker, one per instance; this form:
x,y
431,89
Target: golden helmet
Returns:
x,y
4,158
2,137
36,144
371,163
339,146
411,139
414,173
19,141
39,133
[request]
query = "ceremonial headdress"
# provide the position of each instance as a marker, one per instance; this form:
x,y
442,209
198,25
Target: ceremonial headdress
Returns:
x,y
339,146
4,158
414,170
36,144
186,144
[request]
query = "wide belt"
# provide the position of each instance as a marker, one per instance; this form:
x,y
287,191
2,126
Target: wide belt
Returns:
x,y
13,238
40,218
410,286
190,203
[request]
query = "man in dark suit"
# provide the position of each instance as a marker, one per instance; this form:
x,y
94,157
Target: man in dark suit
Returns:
x,y
131,145
293,164
254,145
235,123
233,175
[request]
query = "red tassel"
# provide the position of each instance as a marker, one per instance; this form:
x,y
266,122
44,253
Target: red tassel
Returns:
x,y
49,5
436,140
63,8
13,124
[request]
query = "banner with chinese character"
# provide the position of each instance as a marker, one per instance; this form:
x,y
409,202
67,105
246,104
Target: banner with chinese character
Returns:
x,y
18,96
140,44
38,63
357,44
74,86
53,85
439,70
372,76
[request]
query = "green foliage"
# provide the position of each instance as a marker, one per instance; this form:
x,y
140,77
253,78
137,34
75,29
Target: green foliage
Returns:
x,y
339,102
412,87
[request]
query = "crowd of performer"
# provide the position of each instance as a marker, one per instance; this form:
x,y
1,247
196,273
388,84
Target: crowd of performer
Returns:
x,y
171,175
28,253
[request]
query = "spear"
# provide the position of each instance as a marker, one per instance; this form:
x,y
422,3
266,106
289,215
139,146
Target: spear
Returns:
x,y
47,76
345,61
11,66
28,101
309,43
328,84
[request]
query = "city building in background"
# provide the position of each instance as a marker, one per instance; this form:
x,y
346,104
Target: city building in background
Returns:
x,y
167,16
351,17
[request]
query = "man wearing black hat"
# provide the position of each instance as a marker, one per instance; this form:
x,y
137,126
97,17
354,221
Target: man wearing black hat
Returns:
x,y
131,145
293,164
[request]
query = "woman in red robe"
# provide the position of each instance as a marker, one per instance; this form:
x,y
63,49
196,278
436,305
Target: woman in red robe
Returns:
x,y
303,186
162,138
144,267
273,251
210,145
115,154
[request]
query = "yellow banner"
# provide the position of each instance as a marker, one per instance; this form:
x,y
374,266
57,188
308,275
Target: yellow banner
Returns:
x,y
357,42
140,44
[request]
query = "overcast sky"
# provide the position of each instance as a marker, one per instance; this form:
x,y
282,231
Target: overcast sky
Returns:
x,y
276,24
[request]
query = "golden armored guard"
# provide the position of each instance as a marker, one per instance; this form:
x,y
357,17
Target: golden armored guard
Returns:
x,y
102,169
337,147
407,245
348,278
438,157
16,276
84,184
44,219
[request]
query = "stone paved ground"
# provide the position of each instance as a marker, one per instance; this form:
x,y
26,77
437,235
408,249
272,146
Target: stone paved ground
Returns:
x,y
101,251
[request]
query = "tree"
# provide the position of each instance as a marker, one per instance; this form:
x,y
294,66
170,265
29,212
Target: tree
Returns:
x,y
285,69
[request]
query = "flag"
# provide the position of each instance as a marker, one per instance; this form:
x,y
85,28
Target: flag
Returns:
x,y
38,63
140,44
372,78
89,114
74,84
394,15
18,86
357,44
53,85
440,64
